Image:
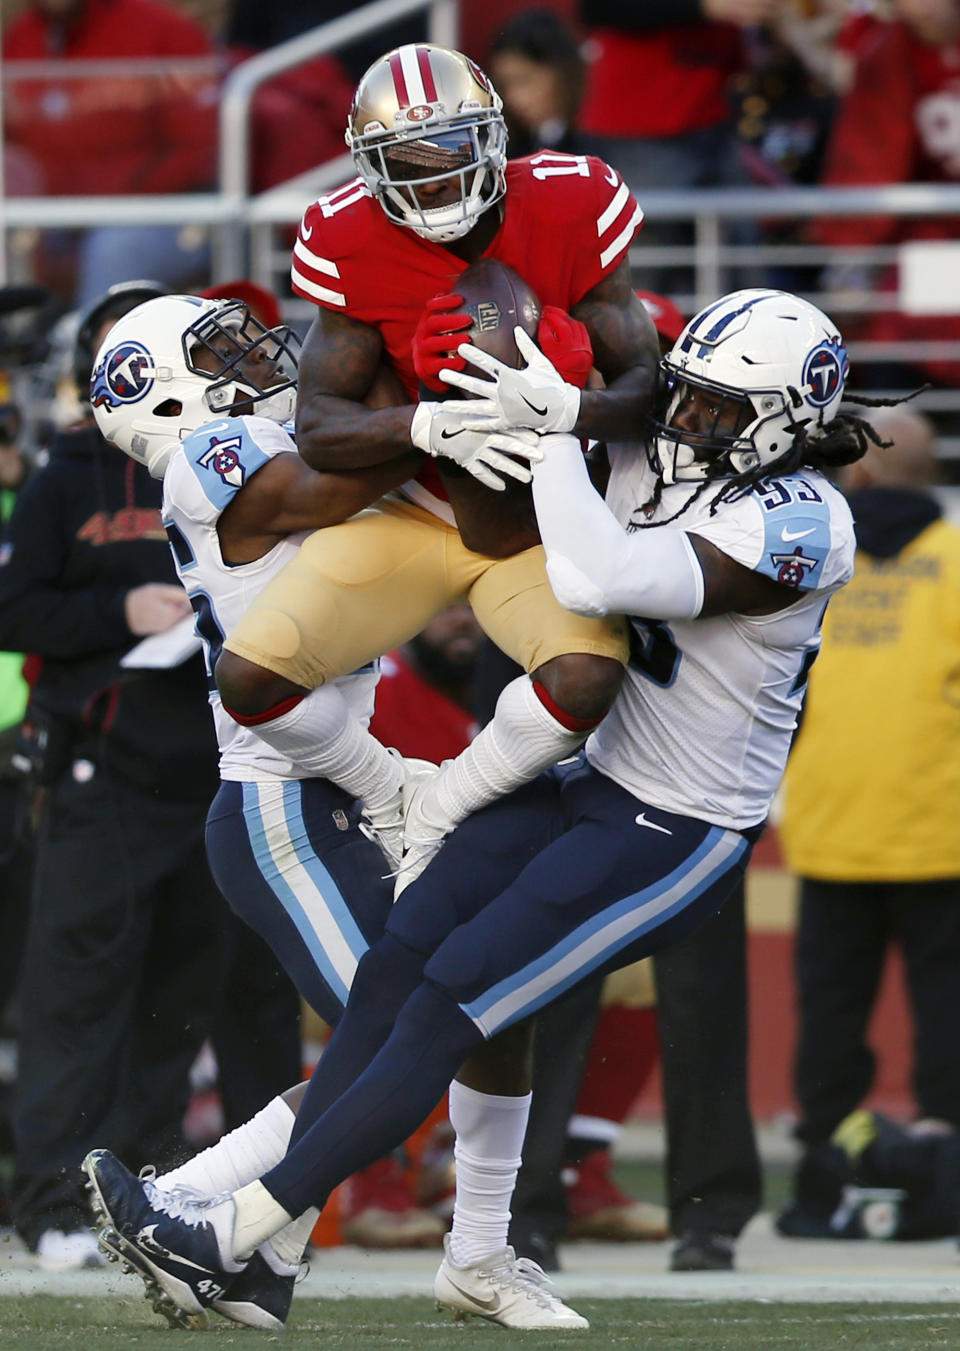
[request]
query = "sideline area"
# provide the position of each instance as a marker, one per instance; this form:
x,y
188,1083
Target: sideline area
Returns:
x,y
769,1268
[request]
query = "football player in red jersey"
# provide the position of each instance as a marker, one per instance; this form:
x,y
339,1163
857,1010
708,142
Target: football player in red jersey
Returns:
x,y
435,193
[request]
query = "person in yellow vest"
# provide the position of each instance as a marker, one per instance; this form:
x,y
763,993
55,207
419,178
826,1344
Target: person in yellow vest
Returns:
x,y
871,805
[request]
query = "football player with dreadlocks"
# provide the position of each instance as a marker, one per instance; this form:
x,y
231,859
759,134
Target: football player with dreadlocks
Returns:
x,y
724,544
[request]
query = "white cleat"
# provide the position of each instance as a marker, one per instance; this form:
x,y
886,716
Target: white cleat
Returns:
x,y
505,1289
421,838
384,824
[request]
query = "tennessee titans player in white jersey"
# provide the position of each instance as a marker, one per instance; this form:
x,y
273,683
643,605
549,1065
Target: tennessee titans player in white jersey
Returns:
x,y
237,503
725,546
285,849
282,834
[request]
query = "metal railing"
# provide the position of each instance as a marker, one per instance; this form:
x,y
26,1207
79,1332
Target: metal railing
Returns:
x,y
250,234
225,211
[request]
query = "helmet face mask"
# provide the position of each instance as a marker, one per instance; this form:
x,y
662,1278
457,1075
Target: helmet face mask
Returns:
x,y
717,438
173,364
428,138
756,368
238,355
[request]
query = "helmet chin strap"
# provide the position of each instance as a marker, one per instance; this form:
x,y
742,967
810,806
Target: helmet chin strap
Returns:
x,y
445,234
277,407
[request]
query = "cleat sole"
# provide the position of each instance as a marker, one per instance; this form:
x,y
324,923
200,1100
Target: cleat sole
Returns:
x,y
159,1299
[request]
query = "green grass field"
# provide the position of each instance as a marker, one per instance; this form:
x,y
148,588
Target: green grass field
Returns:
x,y
362,1324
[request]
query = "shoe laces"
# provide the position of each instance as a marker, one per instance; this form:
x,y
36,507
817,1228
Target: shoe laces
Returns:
x,y
524,1276
179,1202
380,835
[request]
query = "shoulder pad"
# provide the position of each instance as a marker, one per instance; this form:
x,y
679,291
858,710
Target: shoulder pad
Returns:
x,y
340,223
579,189
797,538
335,239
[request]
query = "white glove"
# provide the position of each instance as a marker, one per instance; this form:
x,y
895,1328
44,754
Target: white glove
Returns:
x,y
536,396
440,433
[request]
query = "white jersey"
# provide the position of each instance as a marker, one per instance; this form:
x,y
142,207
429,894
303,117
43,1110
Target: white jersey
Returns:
x,y
202,478
703,723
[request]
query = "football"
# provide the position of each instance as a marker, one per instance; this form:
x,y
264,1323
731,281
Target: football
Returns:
x,y
497,299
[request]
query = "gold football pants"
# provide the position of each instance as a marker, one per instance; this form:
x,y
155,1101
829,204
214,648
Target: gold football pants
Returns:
x,y
359,589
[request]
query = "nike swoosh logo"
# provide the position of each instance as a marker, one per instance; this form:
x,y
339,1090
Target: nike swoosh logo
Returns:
x,y
540,412
146,1240
491,1303
612,177
448,436
788,535
641,820
306,231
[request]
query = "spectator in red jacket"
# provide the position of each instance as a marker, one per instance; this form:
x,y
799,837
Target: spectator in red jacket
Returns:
x,y
658,100
899,123
147,124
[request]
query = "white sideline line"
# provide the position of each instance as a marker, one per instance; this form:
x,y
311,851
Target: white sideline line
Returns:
x,y
706,1288
770,1269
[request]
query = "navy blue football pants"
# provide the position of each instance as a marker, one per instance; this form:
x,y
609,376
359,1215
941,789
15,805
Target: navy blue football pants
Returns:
x,y
567,878
289,857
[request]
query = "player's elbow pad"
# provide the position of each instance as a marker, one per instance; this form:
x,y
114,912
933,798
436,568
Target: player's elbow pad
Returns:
x,y
573,589
655,574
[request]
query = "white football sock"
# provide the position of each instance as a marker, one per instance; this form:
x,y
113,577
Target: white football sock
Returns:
x,y
259,1216
522,738
490,1131
286,1248
239,1157
326,740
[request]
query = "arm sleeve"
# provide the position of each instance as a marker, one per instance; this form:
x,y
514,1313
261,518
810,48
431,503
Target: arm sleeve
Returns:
x,y
37,614
594,566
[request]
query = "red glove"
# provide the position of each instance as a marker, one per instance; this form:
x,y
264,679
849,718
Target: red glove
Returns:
x,y
435,341
565,342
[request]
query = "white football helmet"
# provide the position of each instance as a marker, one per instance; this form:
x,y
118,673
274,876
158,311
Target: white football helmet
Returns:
x,y
770,363
174,363
421,108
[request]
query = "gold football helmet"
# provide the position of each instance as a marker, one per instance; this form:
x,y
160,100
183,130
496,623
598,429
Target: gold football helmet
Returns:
x,y
428,138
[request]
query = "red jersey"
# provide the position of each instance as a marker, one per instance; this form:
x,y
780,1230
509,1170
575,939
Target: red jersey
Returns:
x,y
900,123
126,132
568,221
661,82
415,717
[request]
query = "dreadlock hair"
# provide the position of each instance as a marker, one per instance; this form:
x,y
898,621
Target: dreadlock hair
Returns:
x,y
843,441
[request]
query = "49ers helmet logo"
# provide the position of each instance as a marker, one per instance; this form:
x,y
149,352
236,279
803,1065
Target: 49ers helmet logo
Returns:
x,y
124,376
420,112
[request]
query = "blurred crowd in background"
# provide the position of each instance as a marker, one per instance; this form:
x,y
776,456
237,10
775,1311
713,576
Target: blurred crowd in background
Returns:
x,y
687,95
